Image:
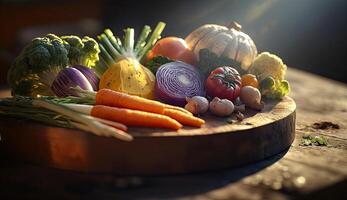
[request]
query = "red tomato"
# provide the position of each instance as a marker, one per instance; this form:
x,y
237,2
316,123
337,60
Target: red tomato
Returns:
x,y
223,82
174,48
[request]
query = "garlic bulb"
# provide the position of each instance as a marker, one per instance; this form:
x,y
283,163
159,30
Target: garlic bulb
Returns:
x,y
196,105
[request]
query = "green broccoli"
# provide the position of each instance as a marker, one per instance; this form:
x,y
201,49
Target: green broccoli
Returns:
x,y
36,67
274,89
83,51
91,52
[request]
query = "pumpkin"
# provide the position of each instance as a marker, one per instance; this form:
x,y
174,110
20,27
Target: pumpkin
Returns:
x,y
226,42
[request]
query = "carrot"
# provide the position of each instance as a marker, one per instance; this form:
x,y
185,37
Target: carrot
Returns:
x,y
109,97
184,118
134,117
86,109
177,108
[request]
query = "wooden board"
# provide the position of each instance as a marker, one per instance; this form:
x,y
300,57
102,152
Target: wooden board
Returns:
x,y
217,145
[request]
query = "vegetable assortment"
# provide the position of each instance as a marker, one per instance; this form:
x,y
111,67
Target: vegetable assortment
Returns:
x,y
38,64
125,73
104,85
270,70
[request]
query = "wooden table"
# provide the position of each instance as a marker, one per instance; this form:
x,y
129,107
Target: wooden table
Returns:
x,y
304,172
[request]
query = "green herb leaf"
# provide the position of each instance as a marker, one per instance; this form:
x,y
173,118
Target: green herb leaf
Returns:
x,y
208,61
156,62
309,140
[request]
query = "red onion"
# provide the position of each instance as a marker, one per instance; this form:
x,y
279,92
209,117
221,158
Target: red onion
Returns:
x,y
67,78
90,75
177,80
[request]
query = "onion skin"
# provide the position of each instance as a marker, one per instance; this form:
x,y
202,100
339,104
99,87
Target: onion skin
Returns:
x,y
89,74
67,78
177,80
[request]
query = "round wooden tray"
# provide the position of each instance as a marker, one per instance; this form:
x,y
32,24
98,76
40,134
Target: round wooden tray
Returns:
x,y
218,144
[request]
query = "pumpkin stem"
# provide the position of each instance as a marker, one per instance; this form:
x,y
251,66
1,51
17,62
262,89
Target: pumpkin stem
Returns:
x,y
234,25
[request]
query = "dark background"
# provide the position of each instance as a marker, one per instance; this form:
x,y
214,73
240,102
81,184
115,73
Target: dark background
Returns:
x,y
307,34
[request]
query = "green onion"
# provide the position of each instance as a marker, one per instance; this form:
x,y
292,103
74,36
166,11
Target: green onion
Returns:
x,y
108,46
112,49
141,41
47,110
152,40
129,40
115,41
105,55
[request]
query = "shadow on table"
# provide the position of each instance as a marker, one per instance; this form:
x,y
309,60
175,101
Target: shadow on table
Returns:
x,y
197,183
19,180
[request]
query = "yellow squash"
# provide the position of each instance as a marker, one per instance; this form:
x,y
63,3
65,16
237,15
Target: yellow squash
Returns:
x,y
129,76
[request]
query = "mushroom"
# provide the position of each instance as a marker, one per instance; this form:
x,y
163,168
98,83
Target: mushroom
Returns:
x,y
221,107
251,97
196,105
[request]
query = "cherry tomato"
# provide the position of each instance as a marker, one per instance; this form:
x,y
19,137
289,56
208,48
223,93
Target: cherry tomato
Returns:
x,y
174,48
250,80
223,82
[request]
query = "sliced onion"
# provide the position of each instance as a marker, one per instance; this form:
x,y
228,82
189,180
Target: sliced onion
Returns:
x,y
67,78
177,80
90,75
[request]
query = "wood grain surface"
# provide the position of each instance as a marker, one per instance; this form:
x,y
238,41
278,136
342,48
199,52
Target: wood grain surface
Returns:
x,y
217,145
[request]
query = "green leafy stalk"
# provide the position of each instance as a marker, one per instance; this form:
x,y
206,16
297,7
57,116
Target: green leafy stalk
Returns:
x,y
108,46
100,67
105,55
115,41
310,140
21,107
113,50
141,41
152,40
129,40
47,110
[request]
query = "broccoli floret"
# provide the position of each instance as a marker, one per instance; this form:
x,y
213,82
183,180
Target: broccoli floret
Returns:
x,y
274,89
90,52
82,51
52,36
36,67
38,58
59,54
44,53
75,48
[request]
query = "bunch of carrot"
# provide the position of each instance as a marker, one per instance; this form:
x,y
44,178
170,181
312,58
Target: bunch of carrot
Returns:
x,y
137,111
